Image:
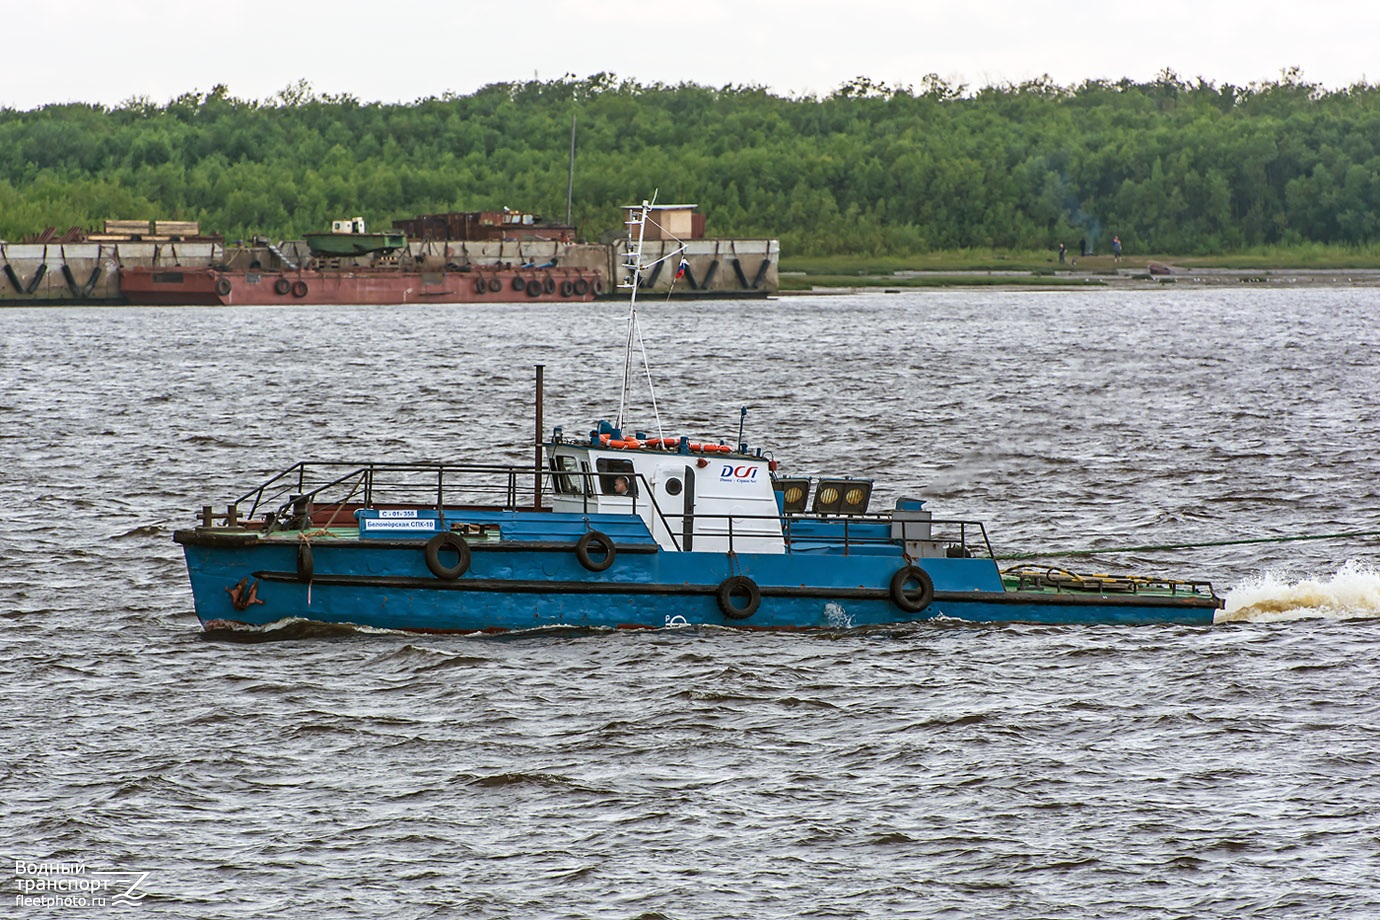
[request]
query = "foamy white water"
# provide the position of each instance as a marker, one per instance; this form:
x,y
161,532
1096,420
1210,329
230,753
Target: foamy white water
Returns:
x,y
1353,592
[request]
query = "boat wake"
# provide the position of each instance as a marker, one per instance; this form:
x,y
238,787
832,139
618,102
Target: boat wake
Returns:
x,y
285,629
1352,593
291,628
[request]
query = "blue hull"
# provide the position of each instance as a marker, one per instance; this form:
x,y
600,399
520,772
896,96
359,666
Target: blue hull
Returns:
x,y
388,585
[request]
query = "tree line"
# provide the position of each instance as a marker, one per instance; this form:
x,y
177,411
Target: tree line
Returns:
x,y
1169,165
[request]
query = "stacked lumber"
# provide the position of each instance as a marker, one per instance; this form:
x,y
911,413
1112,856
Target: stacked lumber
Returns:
x,y
156,231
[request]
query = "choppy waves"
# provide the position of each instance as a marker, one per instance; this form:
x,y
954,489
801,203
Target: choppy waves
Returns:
x,y
936,770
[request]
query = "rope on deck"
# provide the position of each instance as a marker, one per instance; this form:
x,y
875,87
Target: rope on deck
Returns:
x,y
1168,546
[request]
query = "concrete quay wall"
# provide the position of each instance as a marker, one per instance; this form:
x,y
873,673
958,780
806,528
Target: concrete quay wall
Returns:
x,y
70,273
742,268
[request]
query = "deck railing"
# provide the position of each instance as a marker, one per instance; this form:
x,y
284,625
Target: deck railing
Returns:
x,y
288,497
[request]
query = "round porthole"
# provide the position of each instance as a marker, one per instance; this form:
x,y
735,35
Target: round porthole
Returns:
x,y
673,487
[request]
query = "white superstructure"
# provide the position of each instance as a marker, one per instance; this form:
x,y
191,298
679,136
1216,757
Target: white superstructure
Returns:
x,y
689,499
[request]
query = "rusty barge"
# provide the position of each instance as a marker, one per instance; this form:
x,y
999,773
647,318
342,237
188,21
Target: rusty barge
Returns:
x,y
211,286
458,257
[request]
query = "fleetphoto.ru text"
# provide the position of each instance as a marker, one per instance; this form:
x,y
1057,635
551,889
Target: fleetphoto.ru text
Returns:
x,y
74,885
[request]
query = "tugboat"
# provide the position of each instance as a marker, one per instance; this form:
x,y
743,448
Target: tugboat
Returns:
x,y
624,529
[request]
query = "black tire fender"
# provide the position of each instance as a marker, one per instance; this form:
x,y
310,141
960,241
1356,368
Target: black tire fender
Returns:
x,y
601,543
282,286
734,588
299,289
306,562
911,601
223,287
444,542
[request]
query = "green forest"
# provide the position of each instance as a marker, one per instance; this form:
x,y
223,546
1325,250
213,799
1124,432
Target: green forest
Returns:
x,y
871,170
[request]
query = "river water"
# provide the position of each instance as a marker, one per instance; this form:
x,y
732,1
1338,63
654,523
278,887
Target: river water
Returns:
x,y
932,771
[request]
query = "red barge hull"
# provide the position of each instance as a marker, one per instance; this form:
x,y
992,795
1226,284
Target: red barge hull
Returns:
x,y
213,287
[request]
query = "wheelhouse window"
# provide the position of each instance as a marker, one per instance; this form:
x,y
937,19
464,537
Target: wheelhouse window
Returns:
x,y
566,481
616,476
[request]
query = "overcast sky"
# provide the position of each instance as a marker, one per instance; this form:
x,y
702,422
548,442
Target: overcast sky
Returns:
x,y
113,50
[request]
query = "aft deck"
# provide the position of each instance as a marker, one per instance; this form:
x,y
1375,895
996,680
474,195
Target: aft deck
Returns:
x,y
1030,579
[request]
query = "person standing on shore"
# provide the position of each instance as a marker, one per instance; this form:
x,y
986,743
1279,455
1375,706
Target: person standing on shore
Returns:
x,y
1116,249
1061,253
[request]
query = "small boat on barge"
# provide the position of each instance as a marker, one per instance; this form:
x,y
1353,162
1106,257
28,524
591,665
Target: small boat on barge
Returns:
x,y
623,529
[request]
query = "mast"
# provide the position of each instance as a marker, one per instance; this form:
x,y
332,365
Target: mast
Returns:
x,y
536,467
632,263
634,266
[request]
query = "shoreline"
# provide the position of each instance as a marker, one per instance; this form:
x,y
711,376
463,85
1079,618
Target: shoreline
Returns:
x,y
1073,279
